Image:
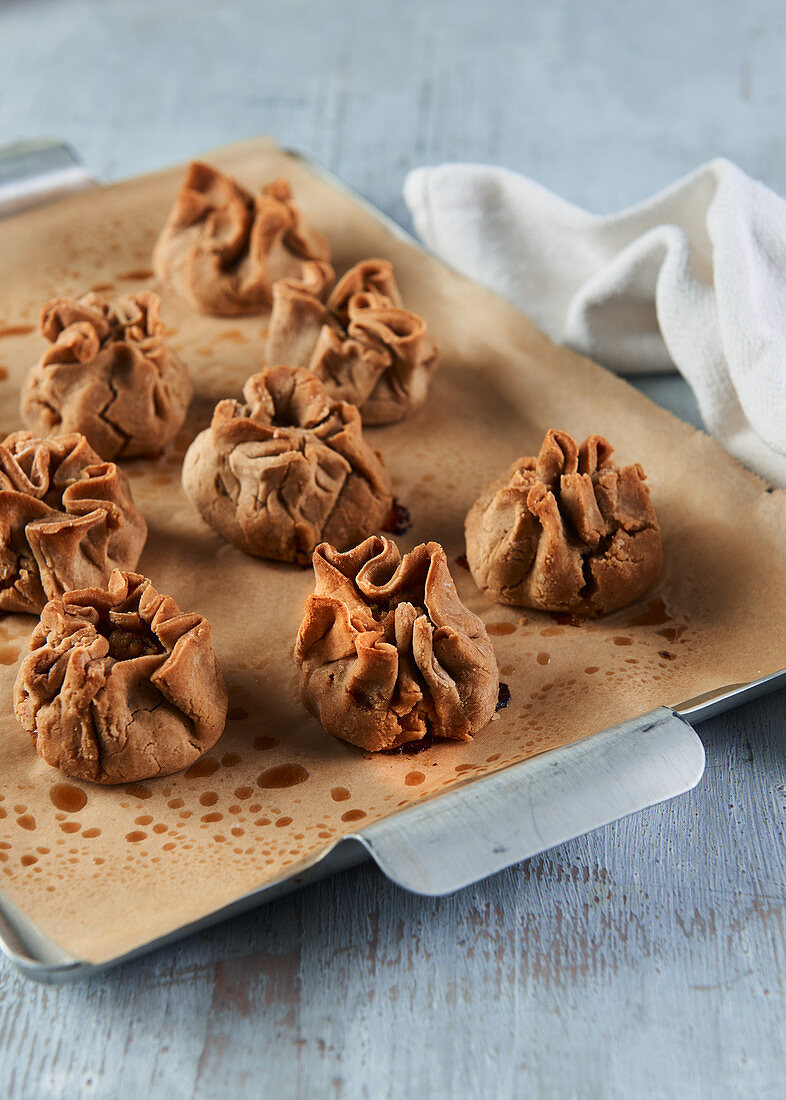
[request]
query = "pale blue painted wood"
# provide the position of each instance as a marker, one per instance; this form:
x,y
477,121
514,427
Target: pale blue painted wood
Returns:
x,y
644,960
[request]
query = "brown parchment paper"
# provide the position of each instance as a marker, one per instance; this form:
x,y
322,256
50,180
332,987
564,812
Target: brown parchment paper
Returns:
x,y
137,862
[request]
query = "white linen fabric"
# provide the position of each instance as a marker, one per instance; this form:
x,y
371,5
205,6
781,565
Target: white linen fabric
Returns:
x,y
694,277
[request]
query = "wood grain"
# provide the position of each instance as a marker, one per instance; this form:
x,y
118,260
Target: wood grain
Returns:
x,y
644,960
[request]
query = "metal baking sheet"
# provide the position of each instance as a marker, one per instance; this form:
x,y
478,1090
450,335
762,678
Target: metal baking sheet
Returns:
x,y
448,840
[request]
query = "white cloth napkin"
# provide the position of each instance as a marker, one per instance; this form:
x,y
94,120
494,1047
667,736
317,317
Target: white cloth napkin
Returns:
x,y
694,278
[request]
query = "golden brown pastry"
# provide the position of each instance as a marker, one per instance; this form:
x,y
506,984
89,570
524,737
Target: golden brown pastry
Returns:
x,y
289,467
566,531
120,685
222,249
66,520
109,374
361,343
387,651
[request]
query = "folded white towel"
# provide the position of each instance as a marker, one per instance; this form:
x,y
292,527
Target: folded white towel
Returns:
x,y
694,278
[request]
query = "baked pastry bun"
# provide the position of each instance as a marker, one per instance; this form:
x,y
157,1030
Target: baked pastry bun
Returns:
x,y
387,651
120,684
66,520
222,248
359,341
285,468
567,531
109,374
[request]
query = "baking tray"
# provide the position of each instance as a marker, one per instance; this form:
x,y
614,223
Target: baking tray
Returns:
x,y
472,830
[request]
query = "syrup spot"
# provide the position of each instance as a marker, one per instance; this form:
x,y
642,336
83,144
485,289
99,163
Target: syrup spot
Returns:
x,y
543,658
70,826
212,817
67,797
136,836
354,815
208,765
209,798
28,861
339,794
591,669
262,744
136,274
16,330
26,821
412,779
244,792
285,775
664,653
175,803
138,791
283,822
671,633
622,641
655,614
498,629
8,655
91,833
3,374
230,760
145,819
237,714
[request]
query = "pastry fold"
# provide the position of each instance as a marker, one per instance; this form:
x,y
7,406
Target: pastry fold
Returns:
x,y
387,651
566,531
359,341
286,468
109,374
120,684
222,249
66,520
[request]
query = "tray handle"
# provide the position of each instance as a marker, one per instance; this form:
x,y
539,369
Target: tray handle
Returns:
x,y
36,172
449,842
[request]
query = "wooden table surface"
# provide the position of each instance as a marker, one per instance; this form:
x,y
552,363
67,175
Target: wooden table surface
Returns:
x,y
646,959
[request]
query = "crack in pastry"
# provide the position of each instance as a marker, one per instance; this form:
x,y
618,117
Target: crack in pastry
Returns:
x,y
67,520
285,469
120,684
222,249
566,531
109,374
388,654
360,341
